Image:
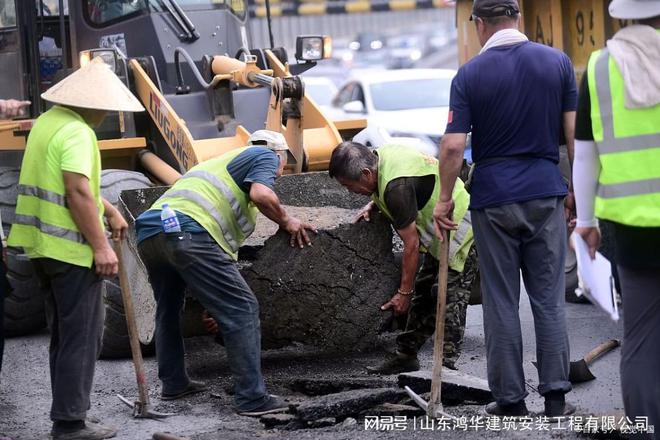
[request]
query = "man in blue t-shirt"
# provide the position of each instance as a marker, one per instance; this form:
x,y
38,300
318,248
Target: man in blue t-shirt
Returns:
x,y
197,260
515,97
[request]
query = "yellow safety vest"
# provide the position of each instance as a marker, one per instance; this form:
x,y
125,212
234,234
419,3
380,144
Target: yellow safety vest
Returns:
x,y
208,194
628,143
43,224
395,161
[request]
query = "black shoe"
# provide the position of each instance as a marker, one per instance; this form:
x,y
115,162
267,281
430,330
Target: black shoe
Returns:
x,y
193,387
93,431
396,364
556,405
273,405
515,410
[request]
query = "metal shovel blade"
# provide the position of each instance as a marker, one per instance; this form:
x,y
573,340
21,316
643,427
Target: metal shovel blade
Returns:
x,y
579,370
143,411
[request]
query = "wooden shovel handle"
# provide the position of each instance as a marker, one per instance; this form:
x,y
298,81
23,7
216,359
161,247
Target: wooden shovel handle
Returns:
x,y
601,349
435,402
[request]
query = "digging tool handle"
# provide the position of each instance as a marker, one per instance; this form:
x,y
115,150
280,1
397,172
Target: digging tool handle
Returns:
x,y
601,349
435,402
127,298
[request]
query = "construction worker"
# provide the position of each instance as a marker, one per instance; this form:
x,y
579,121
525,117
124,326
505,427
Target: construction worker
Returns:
x,y
59,223
12,108
617,178
404,185
216,204
513,97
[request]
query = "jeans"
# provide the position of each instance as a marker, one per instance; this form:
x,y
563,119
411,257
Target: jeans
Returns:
x,y
74,310
527,237
181,260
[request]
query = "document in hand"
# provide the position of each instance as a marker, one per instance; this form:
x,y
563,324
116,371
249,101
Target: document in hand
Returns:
x,y
596,275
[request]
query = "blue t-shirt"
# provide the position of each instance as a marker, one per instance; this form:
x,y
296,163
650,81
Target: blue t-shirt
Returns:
x,y
254,165
512,99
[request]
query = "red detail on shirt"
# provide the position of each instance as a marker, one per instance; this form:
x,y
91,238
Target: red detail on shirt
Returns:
x,y
450,116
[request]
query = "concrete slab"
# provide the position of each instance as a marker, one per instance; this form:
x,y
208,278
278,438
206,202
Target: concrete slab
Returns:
x,y
347,403
457,387
327,295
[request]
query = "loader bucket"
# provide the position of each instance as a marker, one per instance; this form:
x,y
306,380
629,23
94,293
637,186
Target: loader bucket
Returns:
x,y
132,203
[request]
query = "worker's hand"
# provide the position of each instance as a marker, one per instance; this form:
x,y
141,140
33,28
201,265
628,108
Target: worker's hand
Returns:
x,y
365,212
117,225
442,216
398,304
591,236
569,211
298,231
106,262
210,324
11,108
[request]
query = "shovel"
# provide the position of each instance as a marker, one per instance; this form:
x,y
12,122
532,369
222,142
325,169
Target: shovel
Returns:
x,y
434,406
140,407
579,370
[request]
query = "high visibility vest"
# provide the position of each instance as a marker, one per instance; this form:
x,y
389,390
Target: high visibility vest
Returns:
x,y
43,225
208,194
395,161
628,144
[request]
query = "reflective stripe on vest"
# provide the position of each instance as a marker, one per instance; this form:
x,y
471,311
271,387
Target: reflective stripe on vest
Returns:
x,y
47,228
610,144
246,226
43,194
208,206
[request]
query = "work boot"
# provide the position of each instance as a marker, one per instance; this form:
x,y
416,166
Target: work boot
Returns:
x,y
556,405
93,431
193,387
396,364
514,410
273,405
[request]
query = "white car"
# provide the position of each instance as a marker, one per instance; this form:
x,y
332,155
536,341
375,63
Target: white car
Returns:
x,y
406,106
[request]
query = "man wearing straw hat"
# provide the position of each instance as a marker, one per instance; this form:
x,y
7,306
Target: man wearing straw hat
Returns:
x,y
215,204
59,223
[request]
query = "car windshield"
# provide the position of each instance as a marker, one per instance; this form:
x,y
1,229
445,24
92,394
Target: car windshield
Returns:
x,y
321,93
410,94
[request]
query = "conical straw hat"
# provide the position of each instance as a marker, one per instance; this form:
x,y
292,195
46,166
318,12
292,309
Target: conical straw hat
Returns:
x,y
94,86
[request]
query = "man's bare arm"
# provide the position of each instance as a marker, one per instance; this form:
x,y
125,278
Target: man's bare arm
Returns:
x,y
85,214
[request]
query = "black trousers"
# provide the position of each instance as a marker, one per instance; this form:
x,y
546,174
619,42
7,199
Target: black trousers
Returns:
x,y
74,310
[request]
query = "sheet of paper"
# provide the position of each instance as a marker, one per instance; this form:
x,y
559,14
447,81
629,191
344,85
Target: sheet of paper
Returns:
x,y
597,277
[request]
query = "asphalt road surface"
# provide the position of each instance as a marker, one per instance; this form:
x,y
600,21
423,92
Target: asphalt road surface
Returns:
x,y
25,388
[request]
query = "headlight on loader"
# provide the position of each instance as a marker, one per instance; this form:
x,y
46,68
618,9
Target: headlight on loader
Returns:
x,y
313,47
108,56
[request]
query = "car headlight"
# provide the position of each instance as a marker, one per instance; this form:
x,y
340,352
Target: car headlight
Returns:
x,y
313,47
415,54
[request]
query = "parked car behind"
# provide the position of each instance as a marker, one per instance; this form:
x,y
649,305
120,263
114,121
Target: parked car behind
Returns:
x,y
407,106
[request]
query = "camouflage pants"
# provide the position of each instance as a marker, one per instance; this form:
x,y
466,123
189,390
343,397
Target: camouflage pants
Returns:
x,y
421,315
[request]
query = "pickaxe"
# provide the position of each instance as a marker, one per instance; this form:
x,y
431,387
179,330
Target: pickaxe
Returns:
x,y
579,370
140,407
434,406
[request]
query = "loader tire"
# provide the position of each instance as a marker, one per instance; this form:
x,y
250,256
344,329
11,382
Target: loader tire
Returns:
x,y
24,305
115,333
